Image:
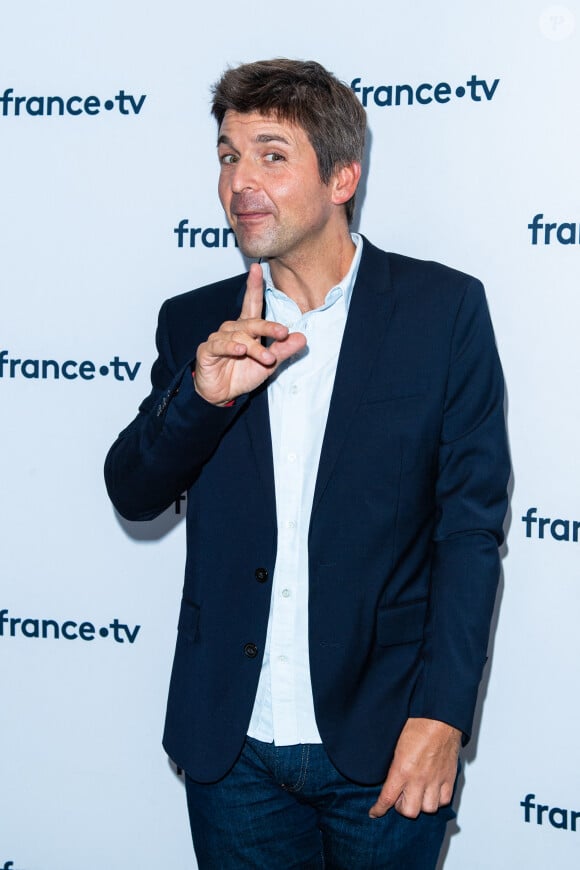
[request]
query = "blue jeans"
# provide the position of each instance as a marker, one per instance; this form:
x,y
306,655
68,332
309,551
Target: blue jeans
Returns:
x,y
286,807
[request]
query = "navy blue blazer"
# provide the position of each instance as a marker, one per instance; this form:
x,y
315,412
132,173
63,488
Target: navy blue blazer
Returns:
x,y
407,517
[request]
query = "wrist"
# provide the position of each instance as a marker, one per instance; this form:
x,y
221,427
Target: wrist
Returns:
x,y
228,404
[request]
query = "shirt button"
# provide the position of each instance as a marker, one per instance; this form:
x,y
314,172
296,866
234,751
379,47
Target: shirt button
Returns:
x,y
293,389
251,650
290,524
286,593
261,575
283,660
291,457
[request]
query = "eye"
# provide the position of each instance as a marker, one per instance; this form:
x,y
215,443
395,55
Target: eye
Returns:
x,y
273,157
228,158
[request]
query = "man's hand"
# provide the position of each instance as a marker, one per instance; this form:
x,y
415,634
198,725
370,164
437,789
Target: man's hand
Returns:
x,y
423,770
233,360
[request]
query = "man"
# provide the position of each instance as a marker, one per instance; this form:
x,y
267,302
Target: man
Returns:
x,y
336,418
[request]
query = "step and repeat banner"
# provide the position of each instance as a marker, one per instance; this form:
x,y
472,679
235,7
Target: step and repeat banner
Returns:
x,y
109,205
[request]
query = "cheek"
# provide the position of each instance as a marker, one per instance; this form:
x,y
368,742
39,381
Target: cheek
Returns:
x,y
294,195
222,191
224,184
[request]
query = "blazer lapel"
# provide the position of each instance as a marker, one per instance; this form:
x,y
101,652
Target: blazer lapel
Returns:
x,y
257,420
370,308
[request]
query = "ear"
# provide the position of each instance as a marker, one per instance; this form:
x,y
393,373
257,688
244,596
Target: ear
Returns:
x,y
344,182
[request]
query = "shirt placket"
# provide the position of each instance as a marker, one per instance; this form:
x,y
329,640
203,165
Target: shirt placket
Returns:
x,y
290,484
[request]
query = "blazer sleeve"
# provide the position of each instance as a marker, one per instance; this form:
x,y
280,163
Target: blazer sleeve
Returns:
x,y
471,502
160,454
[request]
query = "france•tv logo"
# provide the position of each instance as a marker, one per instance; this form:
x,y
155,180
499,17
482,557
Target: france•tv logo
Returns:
x,y
69,370
558,529
473,88
57,106
208,237
565,233
558,817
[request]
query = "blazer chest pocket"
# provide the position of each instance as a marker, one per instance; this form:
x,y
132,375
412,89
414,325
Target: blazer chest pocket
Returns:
x,y
188,620
401,623
396,390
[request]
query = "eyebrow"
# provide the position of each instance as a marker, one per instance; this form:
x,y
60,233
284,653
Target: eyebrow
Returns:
x,y
225,140
272,137
262,138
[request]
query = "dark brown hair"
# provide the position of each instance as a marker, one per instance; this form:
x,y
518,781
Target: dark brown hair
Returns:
x,y
303,93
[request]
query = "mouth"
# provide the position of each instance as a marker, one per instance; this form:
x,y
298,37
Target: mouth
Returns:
x,y
247,208
250,217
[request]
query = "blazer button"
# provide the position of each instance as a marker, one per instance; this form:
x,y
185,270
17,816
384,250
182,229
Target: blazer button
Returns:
x,y
261,575
251,650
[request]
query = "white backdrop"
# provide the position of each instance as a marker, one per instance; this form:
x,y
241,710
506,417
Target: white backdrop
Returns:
x,y
90,200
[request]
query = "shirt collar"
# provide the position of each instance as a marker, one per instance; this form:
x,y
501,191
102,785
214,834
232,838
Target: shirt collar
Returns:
x,y
343,289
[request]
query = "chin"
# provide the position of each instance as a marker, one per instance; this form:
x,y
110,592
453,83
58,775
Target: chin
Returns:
x,y
258,245
255,249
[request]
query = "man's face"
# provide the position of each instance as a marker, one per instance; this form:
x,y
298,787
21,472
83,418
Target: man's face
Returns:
x,y
270,186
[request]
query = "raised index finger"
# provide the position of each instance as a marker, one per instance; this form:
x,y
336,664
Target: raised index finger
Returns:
x,y
254,295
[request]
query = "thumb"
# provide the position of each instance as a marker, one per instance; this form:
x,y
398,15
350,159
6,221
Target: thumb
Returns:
x,y
390,794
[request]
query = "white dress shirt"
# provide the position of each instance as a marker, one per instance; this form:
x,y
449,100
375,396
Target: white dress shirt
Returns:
x,y
298,398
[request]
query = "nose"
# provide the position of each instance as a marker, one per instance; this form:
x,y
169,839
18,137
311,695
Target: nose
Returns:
x,y
243,175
